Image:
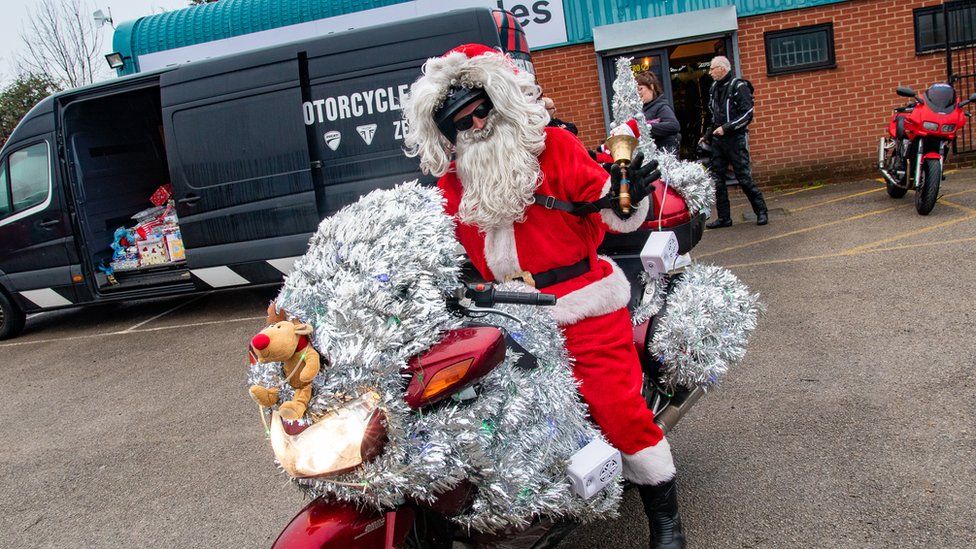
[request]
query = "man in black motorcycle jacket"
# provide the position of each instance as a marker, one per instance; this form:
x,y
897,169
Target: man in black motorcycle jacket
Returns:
x,y
731,108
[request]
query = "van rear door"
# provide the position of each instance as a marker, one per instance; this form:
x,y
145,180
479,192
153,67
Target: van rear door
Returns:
x,y
238,157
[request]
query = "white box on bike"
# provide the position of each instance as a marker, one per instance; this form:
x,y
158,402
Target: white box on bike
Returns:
x,y
593,467
660,253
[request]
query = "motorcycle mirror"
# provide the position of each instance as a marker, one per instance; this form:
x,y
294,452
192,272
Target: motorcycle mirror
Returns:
x,y
905,91
972,98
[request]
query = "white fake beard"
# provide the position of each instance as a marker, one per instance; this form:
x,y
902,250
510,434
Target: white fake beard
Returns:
x,y
498,173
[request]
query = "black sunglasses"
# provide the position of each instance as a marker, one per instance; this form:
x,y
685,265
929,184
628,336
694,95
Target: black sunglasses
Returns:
x,y
467,121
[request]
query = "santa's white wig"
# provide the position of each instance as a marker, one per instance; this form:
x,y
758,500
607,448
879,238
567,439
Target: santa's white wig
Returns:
x,y
513,93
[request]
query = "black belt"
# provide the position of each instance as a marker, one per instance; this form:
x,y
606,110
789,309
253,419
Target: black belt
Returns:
x,y
552,276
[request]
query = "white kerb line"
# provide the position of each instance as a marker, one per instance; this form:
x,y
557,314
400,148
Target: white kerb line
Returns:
x,y
162,314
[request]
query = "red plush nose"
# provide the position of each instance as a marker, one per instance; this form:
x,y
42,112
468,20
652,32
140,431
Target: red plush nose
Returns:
x,y
261,341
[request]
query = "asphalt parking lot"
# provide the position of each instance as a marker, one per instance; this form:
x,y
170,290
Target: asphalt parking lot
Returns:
x,y
850,423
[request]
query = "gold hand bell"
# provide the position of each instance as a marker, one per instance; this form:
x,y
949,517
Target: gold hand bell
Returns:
x,y
621,148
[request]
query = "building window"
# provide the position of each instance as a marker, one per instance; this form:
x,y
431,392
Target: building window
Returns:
x,y
800,49
930,27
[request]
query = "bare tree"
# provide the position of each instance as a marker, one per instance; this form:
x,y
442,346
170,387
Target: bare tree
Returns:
x,y
62,41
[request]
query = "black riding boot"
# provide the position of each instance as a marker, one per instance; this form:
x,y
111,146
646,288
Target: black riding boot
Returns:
x,y
661,506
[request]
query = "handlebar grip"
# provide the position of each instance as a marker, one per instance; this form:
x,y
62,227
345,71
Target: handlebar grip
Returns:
x,y
525,298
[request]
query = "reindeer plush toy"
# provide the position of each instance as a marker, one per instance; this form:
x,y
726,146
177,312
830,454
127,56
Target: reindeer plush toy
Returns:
x,y
287,342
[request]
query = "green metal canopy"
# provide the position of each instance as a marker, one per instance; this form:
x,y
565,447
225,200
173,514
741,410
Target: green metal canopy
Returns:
x,y
224,19
229,18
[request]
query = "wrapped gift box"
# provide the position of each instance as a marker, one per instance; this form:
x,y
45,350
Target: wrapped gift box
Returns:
x,y
174,246
152,252
162,195
125,263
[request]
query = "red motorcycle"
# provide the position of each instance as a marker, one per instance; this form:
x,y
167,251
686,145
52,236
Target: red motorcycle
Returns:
x,y
913,154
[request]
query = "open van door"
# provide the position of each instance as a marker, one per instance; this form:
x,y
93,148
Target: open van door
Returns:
x,y
35,233
240,168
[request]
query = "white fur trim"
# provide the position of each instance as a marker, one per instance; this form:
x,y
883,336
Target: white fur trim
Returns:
x,y
501,253
597,298
650,466
630,224
622,129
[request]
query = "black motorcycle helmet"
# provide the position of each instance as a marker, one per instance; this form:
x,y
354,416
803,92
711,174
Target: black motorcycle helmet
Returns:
x,y
703,149
457,98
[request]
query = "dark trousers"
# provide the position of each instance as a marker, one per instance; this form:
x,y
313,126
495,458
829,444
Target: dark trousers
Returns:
x,y
733,149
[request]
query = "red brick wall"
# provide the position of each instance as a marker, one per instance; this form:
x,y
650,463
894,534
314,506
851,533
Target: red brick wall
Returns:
x,y
825,122
569,76
808,125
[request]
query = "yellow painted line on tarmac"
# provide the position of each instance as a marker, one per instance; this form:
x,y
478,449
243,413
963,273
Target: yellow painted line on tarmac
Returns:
x,y
956,206
907,234
833,200
923,230
131,331
800,231
803,190
851,254
836,222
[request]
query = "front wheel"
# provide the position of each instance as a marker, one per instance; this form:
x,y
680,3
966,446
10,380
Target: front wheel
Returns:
x,y
11,317
928,192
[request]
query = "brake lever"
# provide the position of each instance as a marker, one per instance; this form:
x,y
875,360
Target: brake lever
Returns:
x,y
490,310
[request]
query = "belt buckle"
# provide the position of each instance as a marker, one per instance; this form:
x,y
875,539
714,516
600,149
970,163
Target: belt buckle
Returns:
x,y
523,276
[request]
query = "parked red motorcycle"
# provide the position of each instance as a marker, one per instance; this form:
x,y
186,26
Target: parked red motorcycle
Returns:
x,y
913,154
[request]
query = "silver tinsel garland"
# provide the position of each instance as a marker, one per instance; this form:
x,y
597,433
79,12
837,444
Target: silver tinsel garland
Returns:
x,y
372,284
690,179
706,329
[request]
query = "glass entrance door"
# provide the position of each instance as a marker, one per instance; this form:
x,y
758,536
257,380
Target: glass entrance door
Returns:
x,y
688,69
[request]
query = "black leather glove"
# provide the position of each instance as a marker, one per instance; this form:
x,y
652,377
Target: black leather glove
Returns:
x,y
592,153
640,178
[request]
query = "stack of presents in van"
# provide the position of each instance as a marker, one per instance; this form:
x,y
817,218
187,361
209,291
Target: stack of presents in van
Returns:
x,y
154,239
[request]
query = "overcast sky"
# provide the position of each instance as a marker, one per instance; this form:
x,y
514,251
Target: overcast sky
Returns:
x,y
15,17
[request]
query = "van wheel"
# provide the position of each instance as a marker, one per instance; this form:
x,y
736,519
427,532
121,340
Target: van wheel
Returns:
x,y
11,318
931,177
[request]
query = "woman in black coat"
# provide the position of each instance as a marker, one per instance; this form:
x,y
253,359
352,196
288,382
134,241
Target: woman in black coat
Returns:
x,y
665,129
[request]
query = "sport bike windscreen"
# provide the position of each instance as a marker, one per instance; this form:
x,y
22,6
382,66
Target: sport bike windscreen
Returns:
x,y
941,98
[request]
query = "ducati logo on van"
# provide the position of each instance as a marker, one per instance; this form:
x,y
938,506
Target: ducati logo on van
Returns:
x,y
367,132
332,139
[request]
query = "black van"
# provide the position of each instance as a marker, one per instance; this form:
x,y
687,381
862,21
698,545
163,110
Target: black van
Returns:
x,y
242,156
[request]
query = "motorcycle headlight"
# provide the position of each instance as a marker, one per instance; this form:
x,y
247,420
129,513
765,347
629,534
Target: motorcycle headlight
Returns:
x,y
946,128
335,443
931,126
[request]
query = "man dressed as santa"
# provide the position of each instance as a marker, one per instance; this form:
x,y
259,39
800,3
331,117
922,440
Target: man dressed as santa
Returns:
x,y
530,204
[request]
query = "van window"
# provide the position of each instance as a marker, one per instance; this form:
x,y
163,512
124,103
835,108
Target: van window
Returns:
x,y
29,176
4,192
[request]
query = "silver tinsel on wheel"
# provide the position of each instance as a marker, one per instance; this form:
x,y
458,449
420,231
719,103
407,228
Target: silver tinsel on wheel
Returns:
x,y
373,284
690,179
709,317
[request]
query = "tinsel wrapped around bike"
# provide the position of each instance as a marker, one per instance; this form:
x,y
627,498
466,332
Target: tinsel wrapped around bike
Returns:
x,y
375,297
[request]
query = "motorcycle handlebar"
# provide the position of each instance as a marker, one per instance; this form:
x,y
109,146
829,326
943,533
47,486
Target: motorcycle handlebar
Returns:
x,y
525,298
484,295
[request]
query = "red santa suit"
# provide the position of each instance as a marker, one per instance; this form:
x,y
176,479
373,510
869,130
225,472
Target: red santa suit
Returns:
x,y
591,308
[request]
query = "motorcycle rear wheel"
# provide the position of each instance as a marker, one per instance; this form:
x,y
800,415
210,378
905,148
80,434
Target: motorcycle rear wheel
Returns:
x,y
926,196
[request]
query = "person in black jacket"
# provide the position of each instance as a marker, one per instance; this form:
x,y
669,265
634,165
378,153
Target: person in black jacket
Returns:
x,y
665,129
555,122
731,109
